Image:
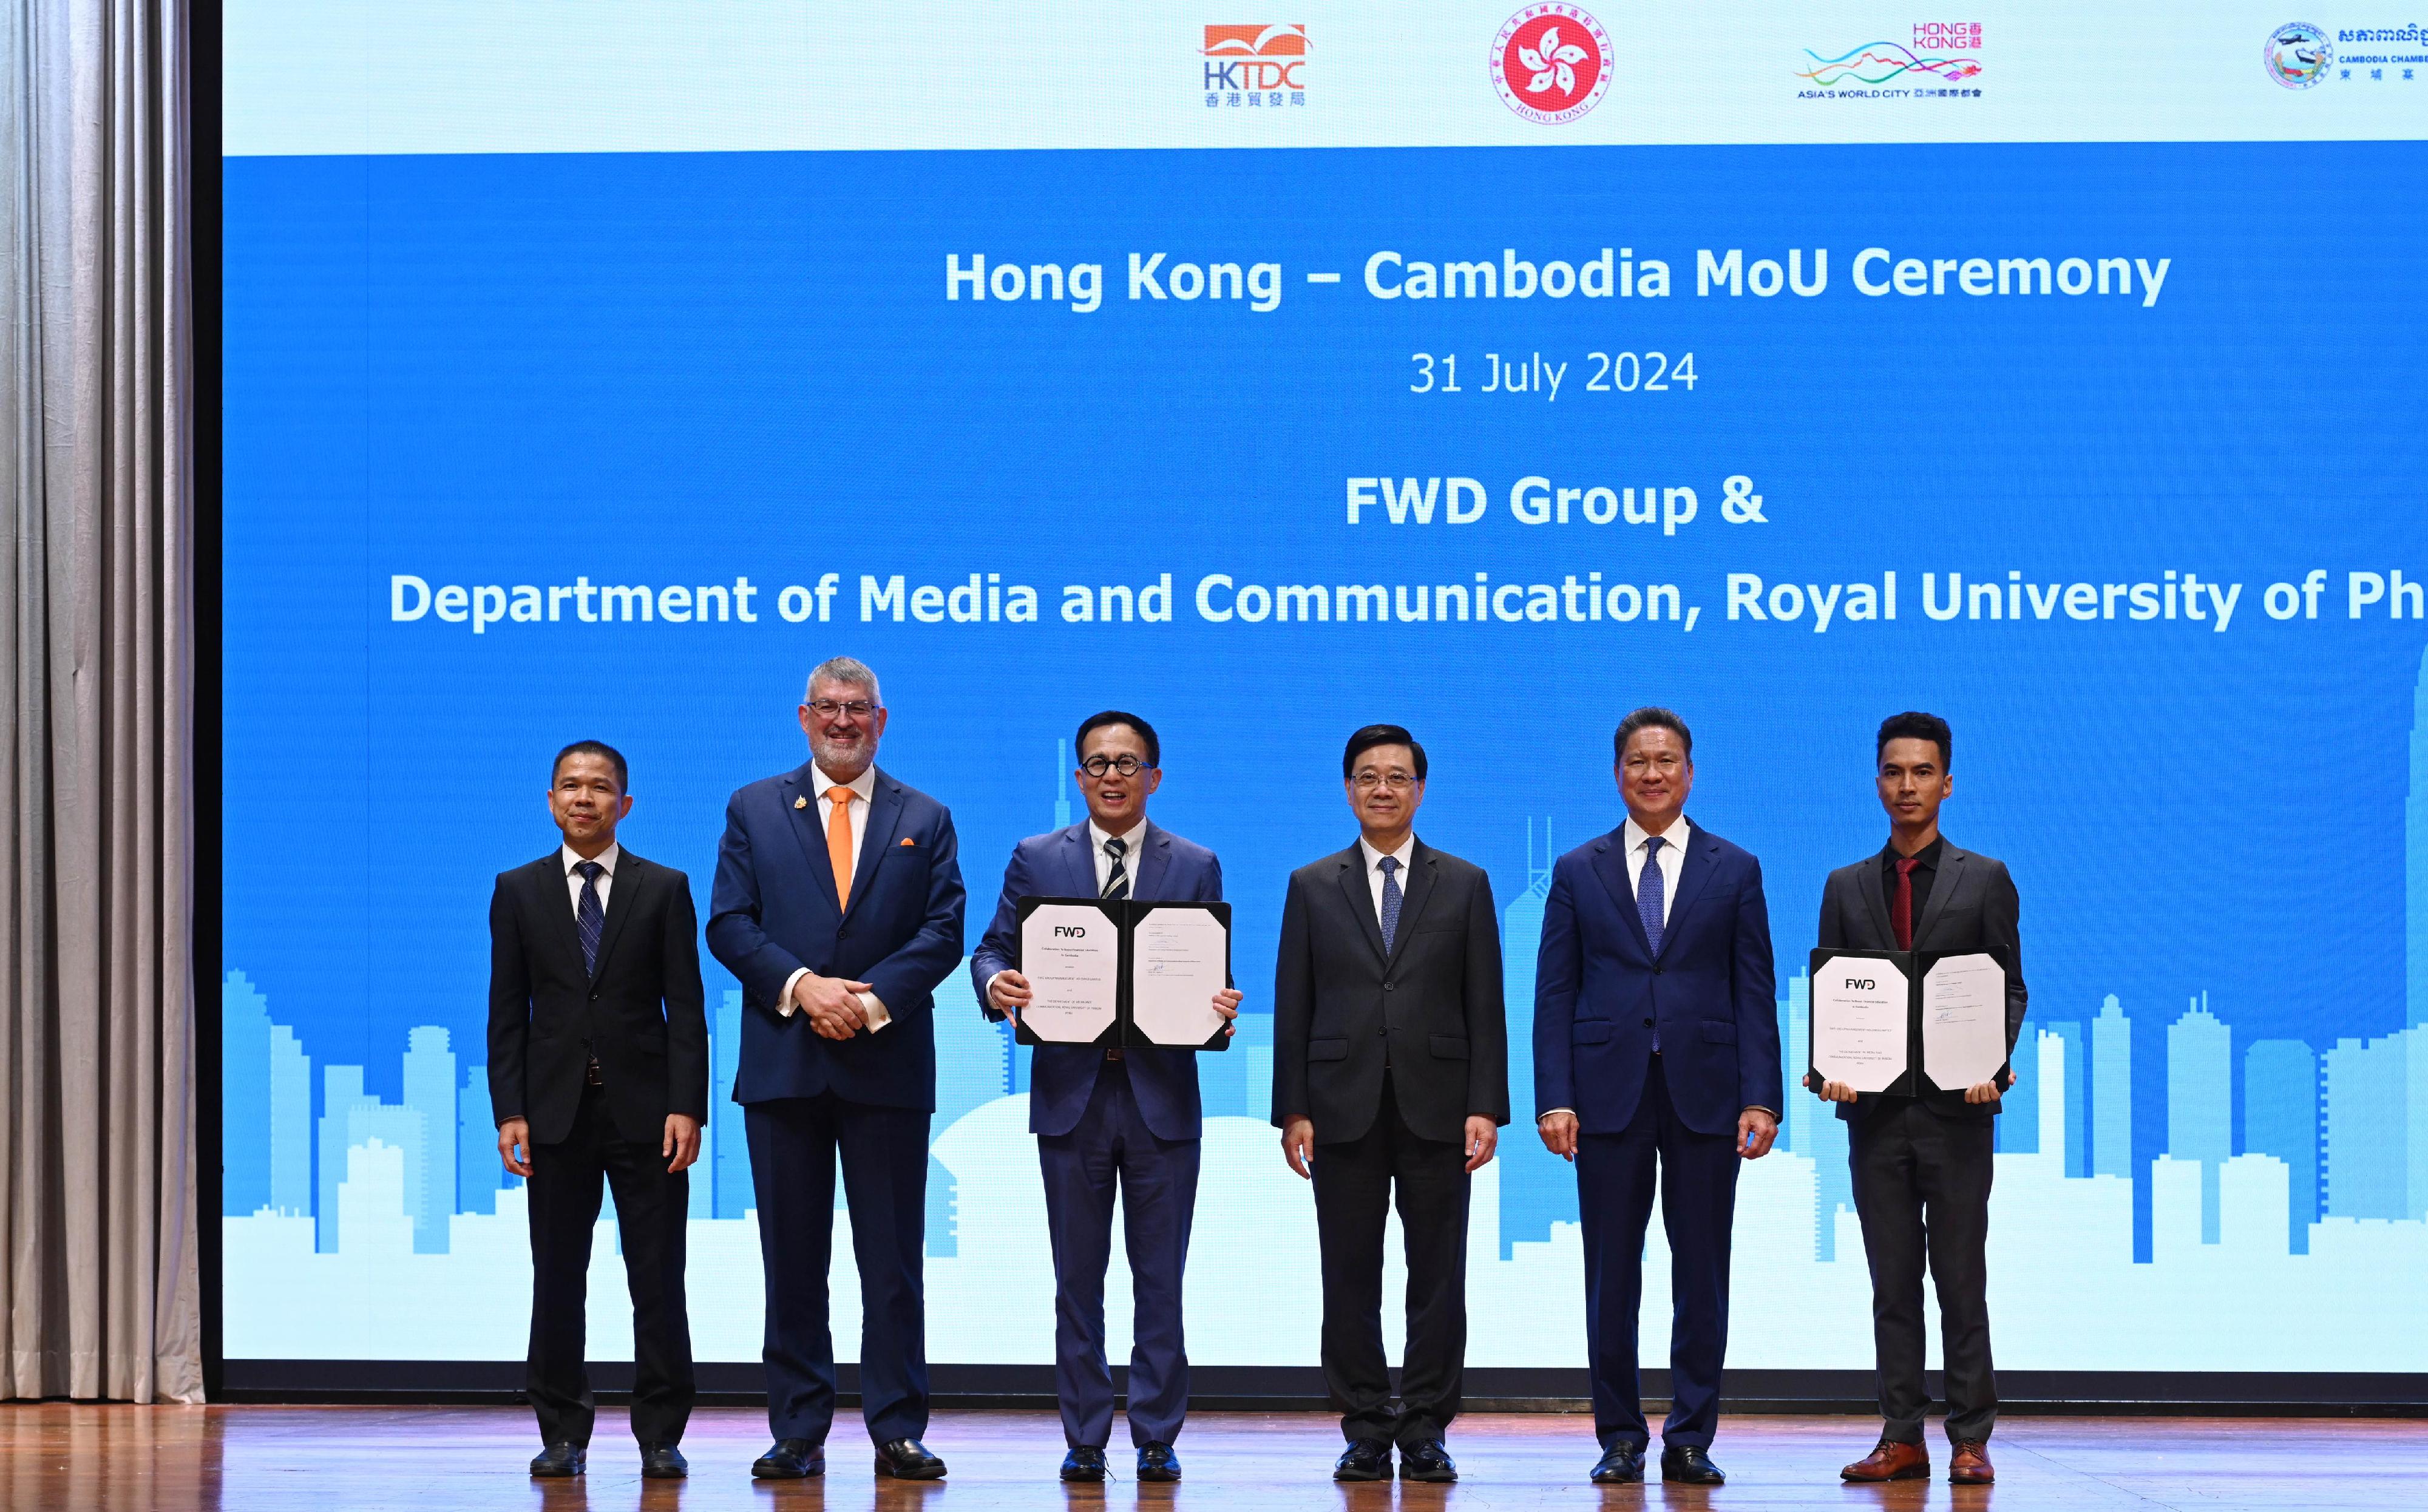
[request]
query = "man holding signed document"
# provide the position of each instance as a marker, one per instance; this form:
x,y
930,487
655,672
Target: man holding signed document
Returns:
x,y
1921,1152
1107,1113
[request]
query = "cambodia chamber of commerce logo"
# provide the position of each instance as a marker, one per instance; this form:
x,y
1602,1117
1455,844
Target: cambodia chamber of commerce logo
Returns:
x,y
1552,63
1257,64
2299,55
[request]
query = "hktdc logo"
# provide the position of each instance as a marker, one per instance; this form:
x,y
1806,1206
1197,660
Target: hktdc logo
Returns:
x,y
1552,63
1257,64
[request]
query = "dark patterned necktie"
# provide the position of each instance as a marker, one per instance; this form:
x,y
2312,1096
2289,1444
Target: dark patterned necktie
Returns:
x,y
1117,881
1650,889
1901,913
1389,865
590,917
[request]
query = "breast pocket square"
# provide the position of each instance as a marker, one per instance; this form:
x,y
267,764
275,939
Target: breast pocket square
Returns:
x,y
908,841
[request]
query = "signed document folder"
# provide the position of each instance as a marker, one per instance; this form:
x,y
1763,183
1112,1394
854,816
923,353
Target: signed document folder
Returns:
x,y
1123,972
1909,1021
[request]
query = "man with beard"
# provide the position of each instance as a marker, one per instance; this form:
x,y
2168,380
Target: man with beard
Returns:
x,y
838,907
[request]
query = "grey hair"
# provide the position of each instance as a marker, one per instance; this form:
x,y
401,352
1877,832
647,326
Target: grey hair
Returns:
x,y
845,669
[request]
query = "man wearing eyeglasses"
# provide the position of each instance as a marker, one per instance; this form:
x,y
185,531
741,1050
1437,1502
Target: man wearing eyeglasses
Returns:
x,y
1656,1069
838,906
1111,1118
1390,1076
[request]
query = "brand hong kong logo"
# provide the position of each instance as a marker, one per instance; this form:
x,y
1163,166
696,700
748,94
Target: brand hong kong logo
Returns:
x,y
1255,64
1552,63
2298,55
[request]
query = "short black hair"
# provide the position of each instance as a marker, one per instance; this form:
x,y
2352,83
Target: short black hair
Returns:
x,y
1915,725
1374,736
593,747
1652,716
1115,717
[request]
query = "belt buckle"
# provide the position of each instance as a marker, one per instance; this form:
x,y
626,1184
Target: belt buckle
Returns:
x,y
592,1073
1113,1053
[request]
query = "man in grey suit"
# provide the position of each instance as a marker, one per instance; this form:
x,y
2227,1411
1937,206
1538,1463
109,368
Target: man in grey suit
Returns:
x,y
1922,1165
1391,1069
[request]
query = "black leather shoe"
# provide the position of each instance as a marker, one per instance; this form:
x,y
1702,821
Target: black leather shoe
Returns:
x,y
790,1459
558,1459
1690,1466
662,1462
1365,1459
1157,1462
1427,1460
1620,1464
1084,1463
907,1459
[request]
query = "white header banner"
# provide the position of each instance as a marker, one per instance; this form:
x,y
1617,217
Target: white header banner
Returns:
x,y
394,76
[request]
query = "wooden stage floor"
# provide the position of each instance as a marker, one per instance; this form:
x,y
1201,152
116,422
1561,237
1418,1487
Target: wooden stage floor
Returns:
x,y
60,1458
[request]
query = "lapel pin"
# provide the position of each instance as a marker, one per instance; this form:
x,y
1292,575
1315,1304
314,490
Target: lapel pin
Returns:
x,y
800,803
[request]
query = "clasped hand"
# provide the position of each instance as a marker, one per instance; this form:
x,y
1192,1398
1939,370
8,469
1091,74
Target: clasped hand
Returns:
x,y
832,1004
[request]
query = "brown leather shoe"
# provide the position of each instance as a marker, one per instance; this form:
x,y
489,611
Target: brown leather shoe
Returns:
x,y
1891,1461
1970,1464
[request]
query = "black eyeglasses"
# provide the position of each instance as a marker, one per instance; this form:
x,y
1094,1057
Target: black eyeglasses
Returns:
x,y
828,708
1099,765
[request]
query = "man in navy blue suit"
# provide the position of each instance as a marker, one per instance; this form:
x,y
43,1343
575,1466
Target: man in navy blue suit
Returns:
x,y
1103,1116
838,906
1656,1043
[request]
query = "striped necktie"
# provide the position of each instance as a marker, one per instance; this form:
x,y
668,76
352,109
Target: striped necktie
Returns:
x,y
1117,881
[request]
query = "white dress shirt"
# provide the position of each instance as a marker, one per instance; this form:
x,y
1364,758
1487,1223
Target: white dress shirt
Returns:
x,y
606,884
863,791
1672,858
1374,870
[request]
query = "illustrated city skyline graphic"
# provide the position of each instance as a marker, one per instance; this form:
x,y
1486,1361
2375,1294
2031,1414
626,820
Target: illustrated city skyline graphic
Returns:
x,y
358,1227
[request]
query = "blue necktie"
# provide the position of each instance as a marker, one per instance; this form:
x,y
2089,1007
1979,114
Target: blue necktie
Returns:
x,y
1117,881
590,917
1649,889
1390,900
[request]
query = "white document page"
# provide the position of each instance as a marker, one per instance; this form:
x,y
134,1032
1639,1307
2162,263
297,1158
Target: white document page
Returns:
x,y
1178,964
1072,957
1963,1021
1859,1021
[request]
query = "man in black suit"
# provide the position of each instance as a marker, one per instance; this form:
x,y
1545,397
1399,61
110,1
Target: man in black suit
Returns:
x,y
1390,1069
1922,1165
599,1070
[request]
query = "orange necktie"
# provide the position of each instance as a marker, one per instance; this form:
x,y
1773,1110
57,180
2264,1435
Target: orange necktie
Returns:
x,y
839,842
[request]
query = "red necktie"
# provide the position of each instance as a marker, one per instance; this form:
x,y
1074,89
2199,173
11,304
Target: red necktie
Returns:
x,y
1901,913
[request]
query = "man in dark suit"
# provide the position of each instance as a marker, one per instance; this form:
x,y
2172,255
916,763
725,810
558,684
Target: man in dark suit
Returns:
x,y
838,907
598,1071
1656,1044
1390,1071
1104,1117
1922,1165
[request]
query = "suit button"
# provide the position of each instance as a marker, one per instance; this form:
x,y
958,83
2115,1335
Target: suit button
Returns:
x,y
593,997
1656,971
1389,986
1647,1024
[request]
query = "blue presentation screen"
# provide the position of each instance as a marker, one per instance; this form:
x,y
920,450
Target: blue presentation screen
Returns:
x,y
2103,443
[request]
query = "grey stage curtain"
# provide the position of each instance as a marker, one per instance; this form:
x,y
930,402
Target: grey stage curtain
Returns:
x,y
98,1292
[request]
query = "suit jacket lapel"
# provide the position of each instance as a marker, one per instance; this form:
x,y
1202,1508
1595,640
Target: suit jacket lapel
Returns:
x,y
1361,900
1693,870
621,899
803,784
1421,862
884,817
1951,875
556,906
1077,858
1876,908
1153,848
1610,864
